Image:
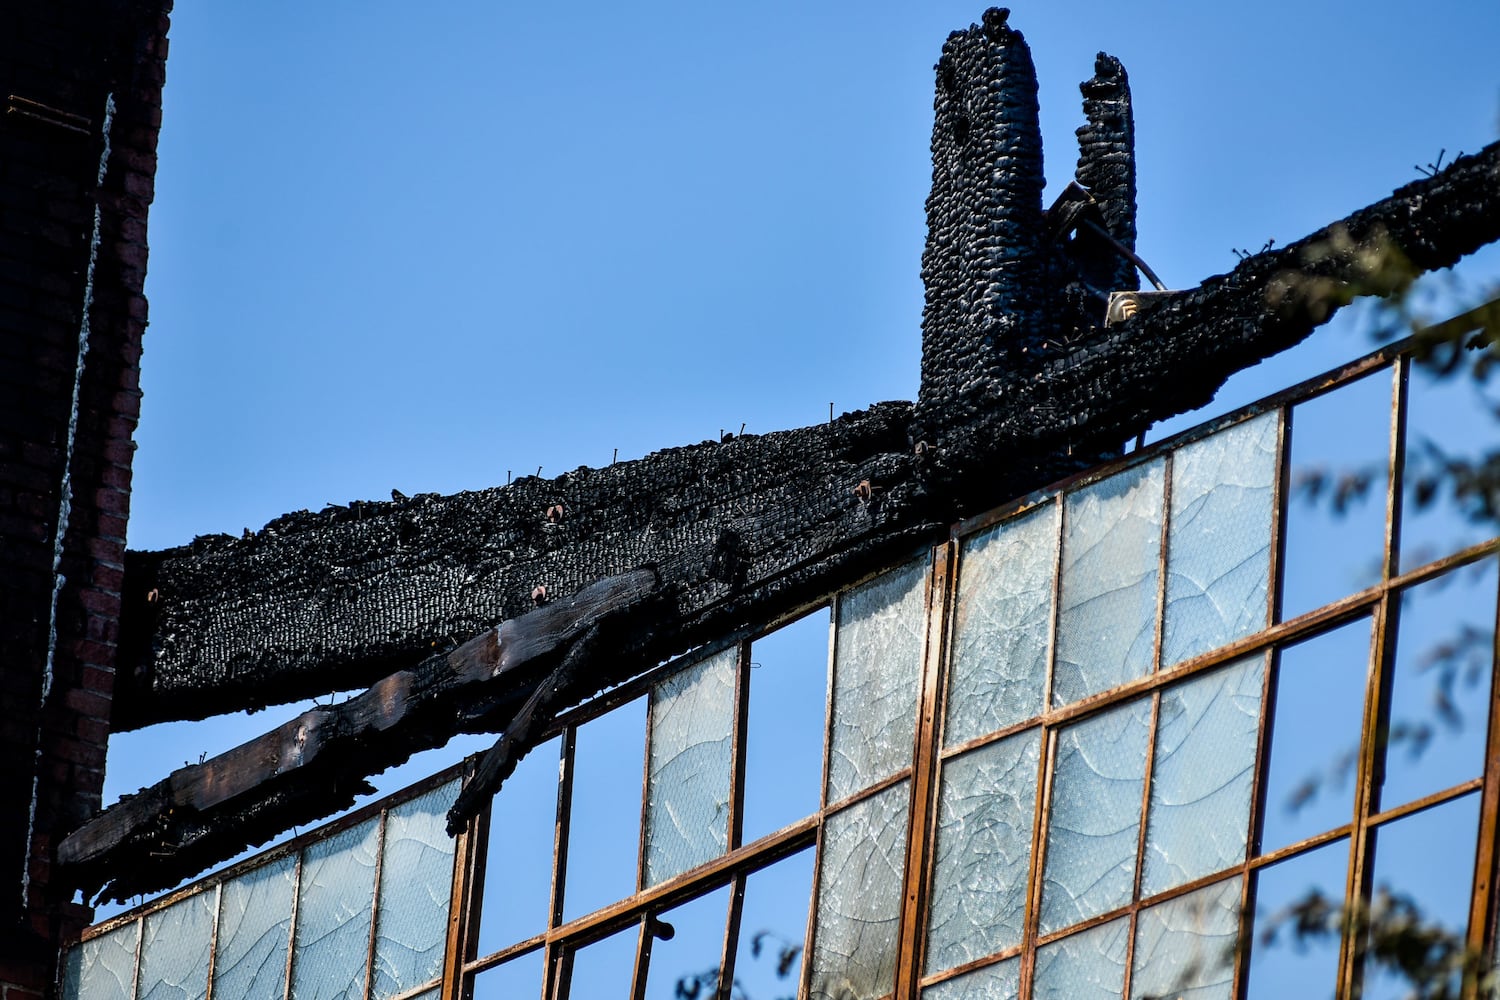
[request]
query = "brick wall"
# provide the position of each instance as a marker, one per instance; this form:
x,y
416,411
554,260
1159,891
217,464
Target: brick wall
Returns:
x,y
70,70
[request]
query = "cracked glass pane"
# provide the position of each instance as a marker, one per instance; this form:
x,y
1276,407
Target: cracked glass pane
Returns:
x,y
1096,806
333,915
877,666
174,949
604,830
1320,692
1336,502
1106,630
1427,860
773,925
1001,981
1001,626
255,923
104,967
785,723
1281,964
523,823
859,898
1219,539
1440,689
1185,947
1450,423
518,979
986,807
1087,966
416,881
1200,784
687,780
692,958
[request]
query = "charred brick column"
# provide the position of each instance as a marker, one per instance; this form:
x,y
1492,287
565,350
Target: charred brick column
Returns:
x,y
81,84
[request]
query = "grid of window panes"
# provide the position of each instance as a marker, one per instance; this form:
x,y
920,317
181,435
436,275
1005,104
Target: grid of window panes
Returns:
x,y
1099,743
359,909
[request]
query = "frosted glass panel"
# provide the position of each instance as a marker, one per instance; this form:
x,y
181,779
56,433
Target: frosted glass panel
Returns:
x,y
1185,947
1219,539
174,950
1200,783
1106,631
416,881
1001,625
859,898
687,798
1001,981
104,968
1087,966
987,804
876,670
1096,806
333,915
255,922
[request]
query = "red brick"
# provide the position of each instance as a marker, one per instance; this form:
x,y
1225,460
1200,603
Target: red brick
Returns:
x,y
100,602
111,526
87,702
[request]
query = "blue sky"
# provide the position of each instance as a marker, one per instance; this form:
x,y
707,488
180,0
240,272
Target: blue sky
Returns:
x,y
423,252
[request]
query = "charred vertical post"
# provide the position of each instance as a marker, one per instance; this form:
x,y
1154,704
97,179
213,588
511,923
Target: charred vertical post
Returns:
x,y
1106,166
983,265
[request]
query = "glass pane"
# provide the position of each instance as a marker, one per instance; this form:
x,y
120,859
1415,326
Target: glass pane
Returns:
x,y
1096,811
1440,694
518,882
859,898
1424,873
784,726
416,881
518,979
1449,424
255,923
687,799
773,925
1282,963
1001,981
333,915
693,956
1200,784
603,970
603,838
1185,947
1335,513
104,968
1219,541
1320,690
1106,629
987,804
1001,626
174,949
1087,966
877,666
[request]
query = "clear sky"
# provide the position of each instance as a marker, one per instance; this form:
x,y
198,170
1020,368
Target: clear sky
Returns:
x,y
425,248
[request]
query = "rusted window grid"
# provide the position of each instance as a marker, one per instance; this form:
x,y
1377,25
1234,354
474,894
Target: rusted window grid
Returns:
x,y
561,940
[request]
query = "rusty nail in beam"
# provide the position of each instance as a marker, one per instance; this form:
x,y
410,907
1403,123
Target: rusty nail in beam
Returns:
x,y
555,514
539,595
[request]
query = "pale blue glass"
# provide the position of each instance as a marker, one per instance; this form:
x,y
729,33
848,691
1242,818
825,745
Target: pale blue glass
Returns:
x,y
688,772
1086,966
859,897
1001,626
174,949
1219,538
1185,948
334,904
1096,811
416,883
877,667
1206,735
1106,630
985,813
1001,981
255,923
102,968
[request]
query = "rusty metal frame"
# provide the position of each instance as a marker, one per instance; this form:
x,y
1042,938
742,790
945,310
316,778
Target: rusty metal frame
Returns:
x,y
1379,602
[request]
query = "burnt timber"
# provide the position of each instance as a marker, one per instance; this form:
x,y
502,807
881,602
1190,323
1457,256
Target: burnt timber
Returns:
x,y
1021,383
